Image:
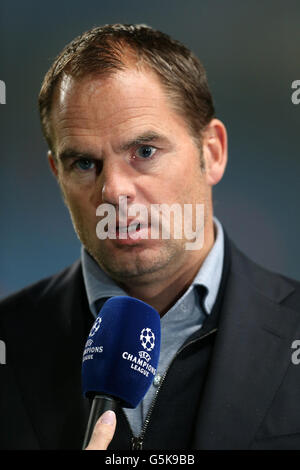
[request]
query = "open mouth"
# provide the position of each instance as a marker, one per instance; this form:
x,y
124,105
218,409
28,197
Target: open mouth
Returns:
x,y
131,228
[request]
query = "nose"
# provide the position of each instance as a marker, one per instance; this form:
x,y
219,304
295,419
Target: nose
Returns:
x,y
118,180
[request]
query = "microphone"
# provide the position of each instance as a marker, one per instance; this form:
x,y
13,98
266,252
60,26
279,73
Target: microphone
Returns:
x,y
120,356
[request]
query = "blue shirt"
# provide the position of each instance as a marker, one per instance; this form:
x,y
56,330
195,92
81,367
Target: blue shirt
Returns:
x,y
184,318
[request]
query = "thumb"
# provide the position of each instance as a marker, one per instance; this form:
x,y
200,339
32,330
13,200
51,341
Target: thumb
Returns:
x,y
103,431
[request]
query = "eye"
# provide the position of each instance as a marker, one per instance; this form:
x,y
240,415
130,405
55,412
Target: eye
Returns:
x,y
145,151
84,164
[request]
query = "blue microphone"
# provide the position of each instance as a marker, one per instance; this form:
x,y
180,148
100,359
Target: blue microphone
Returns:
x,y
120,357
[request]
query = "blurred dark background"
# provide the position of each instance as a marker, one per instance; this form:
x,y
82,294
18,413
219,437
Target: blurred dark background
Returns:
x,y
251,52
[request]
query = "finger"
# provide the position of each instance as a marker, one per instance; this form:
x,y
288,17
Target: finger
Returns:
x,y
103,431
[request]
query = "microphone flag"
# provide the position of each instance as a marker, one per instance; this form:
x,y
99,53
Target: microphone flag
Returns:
x,y
121,354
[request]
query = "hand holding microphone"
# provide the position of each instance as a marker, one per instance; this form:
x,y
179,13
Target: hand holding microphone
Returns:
x,y
119,363
103,431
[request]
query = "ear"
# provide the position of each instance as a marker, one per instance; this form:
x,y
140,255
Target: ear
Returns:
x,y
214,151
53,163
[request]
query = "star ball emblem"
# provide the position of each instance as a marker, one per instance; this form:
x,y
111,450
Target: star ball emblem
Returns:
x,y
147,339
96,326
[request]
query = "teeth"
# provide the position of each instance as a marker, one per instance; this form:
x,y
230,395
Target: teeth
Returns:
x,y
130,228
133,227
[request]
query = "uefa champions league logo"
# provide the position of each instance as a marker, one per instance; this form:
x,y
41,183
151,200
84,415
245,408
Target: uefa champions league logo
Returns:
x,y
141,363
147,339
96,326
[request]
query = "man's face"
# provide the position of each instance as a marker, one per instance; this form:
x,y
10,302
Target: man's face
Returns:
x,y
119,136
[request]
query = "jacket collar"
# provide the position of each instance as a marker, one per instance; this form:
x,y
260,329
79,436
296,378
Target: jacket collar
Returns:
x,y
251,355
252,352
45,341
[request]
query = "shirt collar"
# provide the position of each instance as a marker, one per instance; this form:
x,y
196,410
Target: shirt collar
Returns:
x,y
210,273
99,285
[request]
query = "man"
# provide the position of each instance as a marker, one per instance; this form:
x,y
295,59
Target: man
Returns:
x,y
129,118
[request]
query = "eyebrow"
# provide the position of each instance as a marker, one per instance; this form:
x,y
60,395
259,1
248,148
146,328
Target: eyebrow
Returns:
x,y
139,140
143,139
71,154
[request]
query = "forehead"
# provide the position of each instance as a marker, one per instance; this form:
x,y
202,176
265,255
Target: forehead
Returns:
x,y
122,101
124,90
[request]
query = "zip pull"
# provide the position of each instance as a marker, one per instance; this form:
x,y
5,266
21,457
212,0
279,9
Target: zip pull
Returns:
x,y
136,443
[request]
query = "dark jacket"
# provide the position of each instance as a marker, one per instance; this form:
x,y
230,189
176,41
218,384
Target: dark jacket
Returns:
x,y
233,385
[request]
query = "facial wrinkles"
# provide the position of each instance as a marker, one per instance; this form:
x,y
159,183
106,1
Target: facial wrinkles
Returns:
x,y
111,112
102,124
102,128
104,134
90,90
156,185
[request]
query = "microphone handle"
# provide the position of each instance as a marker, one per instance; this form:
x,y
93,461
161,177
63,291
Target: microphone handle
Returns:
x,y
100,404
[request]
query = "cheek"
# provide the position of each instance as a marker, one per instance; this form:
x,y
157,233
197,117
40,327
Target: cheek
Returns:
x,y
167,188
184,186
79,194
77,202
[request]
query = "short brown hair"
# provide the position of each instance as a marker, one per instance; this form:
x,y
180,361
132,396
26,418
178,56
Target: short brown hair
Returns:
x,y
102,51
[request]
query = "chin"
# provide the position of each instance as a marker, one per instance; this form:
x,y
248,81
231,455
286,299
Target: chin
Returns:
x,y
141,265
